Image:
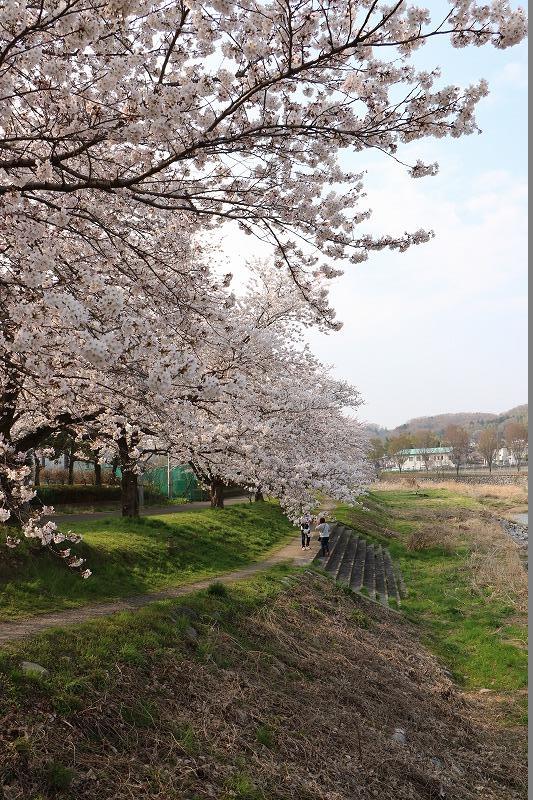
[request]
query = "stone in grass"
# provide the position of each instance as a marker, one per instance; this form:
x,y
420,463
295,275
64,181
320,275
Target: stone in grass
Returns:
x,y
190,634
187,611
399,736
31,668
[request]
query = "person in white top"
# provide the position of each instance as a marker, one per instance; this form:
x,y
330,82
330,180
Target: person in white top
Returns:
x,y
323,534
305,529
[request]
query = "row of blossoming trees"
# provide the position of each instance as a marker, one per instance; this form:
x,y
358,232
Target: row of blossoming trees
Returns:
x,y
132,128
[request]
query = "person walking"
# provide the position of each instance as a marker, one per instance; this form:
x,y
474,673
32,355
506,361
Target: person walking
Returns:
x,y
324,531
305,529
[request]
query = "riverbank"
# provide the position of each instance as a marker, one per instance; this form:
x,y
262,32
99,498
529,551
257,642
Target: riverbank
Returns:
x,y
222,694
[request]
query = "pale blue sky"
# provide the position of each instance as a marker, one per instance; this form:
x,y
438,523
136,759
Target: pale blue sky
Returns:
x,y
442,327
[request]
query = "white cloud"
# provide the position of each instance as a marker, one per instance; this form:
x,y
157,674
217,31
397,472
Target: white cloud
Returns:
x,y
514,73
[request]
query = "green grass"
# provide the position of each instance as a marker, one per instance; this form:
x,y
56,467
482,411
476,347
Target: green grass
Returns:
x,y
134,557
481,641
83,658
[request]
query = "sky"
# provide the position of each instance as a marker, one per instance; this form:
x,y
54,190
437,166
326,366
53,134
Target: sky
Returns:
x,y
442,327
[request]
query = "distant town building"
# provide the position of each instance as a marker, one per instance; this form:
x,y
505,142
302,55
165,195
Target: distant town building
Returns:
x,y
504,458
416,458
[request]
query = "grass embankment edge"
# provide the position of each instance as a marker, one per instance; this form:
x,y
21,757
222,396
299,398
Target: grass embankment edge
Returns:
x,y
480,639
138,557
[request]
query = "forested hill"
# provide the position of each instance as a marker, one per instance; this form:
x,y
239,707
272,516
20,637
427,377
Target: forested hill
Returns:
x,y
471,420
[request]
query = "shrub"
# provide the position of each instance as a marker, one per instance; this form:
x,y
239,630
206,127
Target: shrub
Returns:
x,y
57,776
429,537
218,589
65,494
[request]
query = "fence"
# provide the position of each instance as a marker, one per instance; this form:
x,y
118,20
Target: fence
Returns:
x,y
183,483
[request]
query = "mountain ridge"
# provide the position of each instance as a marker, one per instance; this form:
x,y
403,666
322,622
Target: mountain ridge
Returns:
x,y
473,421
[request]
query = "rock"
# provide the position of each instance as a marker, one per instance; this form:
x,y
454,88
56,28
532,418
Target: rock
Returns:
x,y
190,634
484,691
399,736
186,611
30,668
448,674
437,762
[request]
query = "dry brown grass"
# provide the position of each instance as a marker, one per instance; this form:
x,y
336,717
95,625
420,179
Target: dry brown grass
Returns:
x,y
299,700
480,491
428,536
495,565
515,494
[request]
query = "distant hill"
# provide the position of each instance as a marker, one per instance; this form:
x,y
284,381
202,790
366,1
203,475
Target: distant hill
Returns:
x,y
473,421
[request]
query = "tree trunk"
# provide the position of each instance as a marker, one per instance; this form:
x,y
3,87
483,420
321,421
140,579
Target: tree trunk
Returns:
x,y
457,468
217,494
259,495
97,473
71,462
37,463
130,493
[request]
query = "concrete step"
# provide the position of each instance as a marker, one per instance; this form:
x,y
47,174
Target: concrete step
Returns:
x,y
402,588
358,569
392,586
381,585
369,578
345,568
358,563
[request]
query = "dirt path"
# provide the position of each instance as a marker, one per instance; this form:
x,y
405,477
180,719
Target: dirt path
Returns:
x,y
146,511
19,629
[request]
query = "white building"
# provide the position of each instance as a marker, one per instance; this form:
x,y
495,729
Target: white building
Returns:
x,y
435,457
504,458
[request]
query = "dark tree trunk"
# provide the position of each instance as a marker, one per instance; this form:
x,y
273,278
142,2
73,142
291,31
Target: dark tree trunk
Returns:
x,y
259,495
457,468
71,462
37,479
97,473
217,494
130,493
129,483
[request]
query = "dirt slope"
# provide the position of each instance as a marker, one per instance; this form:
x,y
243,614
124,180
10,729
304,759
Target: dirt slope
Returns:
x,y
298,700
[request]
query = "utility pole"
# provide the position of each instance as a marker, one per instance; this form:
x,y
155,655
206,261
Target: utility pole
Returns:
x,y
168,475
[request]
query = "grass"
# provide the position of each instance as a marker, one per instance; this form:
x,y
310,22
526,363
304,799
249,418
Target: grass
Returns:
x,y
480,638
89,653
130,702
135,557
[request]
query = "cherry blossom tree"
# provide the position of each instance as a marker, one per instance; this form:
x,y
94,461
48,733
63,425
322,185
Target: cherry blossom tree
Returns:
x,y
228,111
126,129
277,425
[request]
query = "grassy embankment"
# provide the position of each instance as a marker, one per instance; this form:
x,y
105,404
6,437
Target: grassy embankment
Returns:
x,y
280,687
467,589
239,693
147,555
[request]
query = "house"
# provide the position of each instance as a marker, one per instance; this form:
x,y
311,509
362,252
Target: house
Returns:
x,y
505,458
435,457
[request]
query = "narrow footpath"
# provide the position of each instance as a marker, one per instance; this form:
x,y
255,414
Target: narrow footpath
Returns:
x,y
20,629
146,511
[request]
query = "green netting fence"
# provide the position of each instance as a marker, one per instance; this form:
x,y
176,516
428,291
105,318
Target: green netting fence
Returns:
x,y
183,483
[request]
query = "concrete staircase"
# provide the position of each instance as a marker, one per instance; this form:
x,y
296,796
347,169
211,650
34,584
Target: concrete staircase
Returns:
x,y
362,565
